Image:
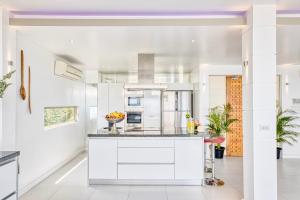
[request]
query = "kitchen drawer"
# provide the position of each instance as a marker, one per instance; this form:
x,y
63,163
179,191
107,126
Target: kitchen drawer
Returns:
x,y
146,155
145,142
8,179
142,172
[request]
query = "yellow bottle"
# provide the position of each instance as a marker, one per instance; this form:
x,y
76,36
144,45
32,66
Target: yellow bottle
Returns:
x,y
190,126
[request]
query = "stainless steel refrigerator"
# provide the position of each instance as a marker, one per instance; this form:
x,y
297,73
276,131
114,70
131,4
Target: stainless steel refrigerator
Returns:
x,y
175,106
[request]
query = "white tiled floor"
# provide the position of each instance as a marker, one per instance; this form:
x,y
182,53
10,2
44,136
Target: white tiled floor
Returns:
x,y
70,183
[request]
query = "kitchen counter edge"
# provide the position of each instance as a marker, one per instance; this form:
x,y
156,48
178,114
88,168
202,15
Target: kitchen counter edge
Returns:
x,y
7,155
147,135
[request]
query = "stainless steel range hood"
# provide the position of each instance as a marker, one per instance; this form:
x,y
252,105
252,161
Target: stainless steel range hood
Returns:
x,y
146,68
146,73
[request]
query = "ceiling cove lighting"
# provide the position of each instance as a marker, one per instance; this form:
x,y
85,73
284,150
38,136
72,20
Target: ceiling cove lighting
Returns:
x,y
131,13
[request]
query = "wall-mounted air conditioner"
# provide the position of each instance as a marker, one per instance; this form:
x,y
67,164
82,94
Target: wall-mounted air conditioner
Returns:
x,y
65,70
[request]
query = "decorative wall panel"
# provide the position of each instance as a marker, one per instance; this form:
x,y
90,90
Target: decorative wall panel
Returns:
x,y
234,139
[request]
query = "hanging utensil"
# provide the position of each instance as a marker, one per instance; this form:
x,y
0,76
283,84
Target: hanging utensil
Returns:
x,y
29,89
22,89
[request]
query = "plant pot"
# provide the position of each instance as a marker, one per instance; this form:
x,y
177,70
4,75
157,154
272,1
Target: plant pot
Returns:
x,y
279,152
219,152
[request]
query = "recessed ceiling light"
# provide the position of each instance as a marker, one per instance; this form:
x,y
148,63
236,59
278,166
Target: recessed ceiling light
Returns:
x,y
72,41
193,41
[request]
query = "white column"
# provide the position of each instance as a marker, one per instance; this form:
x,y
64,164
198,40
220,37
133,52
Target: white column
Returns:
x,y
259,103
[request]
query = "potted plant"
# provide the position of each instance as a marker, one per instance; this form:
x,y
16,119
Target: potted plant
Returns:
x,y
285,132
4,84
220,120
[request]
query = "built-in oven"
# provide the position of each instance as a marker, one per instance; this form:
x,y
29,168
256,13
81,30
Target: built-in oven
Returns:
x,y
134,120
134,99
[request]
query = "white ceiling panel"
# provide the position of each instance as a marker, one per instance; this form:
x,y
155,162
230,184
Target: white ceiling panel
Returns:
x,y
137,6
113,49
117,6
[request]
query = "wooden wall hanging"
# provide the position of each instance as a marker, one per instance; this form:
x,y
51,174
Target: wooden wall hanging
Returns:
x,y
22,88
234,139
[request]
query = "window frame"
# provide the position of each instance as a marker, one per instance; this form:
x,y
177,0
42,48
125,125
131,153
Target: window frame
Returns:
x,y
65,123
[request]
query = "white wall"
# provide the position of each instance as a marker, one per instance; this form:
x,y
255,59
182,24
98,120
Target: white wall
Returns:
x,y
9,99
3,60
217,91
204,92
290,75
91,100
44,150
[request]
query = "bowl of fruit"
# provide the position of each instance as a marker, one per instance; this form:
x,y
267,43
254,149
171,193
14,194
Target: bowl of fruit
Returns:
x,y
114,118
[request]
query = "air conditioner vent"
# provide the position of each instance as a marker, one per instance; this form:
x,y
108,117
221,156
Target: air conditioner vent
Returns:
x,y
68,71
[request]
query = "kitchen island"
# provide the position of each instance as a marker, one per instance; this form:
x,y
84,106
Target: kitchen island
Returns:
x,y
149,157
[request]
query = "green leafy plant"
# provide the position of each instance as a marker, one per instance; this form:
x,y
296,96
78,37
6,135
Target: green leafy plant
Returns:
x,y
286,125
4,84
220,120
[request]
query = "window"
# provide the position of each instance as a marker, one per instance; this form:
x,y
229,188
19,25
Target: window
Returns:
x,y
55,116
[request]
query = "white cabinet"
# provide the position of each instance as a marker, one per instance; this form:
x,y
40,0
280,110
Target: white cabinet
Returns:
x,y
146,172
141,160
110,99
145,142
189,159
116,97
102,104
146,155
8,178
103,159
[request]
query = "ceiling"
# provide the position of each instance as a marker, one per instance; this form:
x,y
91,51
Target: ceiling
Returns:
x,y
125,5
288,45
176,49
132,6
115,49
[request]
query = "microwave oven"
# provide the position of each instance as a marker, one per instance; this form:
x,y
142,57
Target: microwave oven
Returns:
x,y
134,99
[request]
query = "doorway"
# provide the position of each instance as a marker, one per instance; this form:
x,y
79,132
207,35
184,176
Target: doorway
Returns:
x,y
228,89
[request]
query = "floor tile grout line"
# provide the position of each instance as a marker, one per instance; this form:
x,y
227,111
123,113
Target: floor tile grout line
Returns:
x,y
166,191
92,193
52,195
129,190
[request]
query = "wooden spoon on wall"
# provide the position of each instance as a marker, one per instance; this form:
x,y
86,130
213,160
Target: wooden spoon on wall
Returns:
x,y
22,89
